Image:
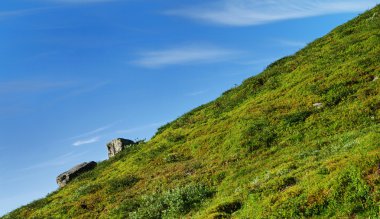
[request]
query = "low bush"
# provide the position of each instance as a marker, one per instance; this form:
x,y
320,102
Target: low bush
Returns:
x,y
172,203
229,207
258,134
351,194
297,117
174,157
337,93
121,183
87,189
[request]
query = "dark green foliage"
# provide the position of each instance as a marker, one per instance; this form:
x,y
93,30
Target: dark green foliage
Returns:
x,y
122,183
87,189
337,93
295,118
323,171
351,194
153,152
286,182
175,157
173,203
175,137
162,128
229,207
219,177
125,207
260,133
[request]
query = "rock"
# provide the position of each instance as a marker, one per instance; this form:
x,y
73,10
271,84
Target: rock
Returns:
x,y
318,105
69,175
117,145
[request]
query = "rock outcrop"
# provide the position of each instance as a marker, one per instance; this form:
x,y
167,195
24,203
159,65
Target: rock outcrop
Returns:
x,y
117,145
318,105
69,175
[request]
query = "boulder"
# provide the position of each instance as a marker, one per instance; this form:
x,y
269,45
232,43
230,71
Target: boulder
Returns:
x,y
117,145
318,105
69,175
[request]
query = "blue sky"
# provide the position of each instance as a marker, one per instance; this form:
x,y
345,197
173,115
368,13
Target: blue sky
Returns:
x,y
77,73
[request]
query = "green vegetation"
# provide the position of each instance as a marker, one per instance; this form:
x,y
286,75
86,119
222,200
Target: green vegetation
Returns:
x,y
261,150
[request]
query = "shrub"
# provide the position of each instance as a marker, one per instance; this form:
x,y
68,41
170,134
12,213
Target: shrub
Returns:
x,y
175,137
128,205
287,182
174,157
337,93
86,189
258,134
218,177
351,194
323,171
229,207
297,117
172,203
121,183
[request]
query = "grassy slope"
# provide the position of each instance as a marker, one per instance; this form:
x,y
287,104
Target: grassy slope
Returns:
x,y
261,150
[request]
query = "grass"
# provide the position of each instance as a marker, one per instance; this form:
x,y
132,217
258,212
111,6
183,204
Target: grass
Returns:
x,y
261,150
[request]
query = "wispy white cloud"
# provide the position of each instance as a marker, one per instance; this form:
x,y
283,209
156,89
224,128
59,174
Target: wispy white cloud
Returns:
x,y
20,12
15,96
95,131
291,43
4,14
61,90
80,89
196,93
30,86
141,128
86,141
30,11
257,61
58,161
256,12
80,1
87,88
194,54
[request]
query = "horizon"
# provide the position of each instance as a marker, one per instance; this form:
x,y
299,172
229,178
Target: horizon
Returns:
x,y
81,73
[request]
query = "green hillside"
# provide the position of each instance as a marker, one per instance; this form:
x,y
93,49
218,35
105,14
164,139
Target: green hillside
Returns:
x,y
261,150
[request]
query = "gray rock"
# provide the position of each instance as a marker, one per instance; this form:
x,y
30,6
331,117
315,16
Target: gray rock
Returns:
x,y
318,105
117,145
69,175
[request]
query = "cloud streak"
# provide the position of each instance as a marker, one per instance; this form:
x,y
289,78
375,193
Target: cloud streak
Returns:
x,y
86,141
196,93
291,43
80,1
256,12
23,12
20,12
183,55
30,11
142,128
30,86
95,131
58,161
